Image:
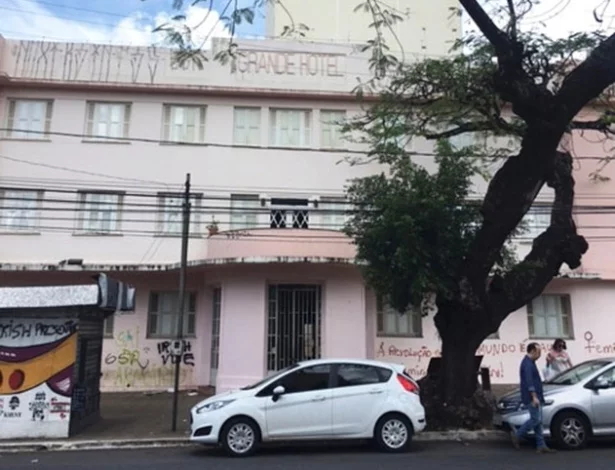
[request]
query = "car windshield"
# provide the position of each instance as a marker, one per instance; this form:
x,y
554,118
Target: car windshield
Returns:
x,y
578,373
267,379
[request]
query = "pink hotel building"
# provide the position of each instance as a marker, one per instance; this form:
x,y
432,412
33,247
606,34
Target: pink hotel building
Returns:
x,y
95,183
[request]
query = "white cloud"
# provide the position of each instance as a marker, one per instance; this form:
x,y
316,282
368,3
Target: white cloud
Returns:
x,y
27,20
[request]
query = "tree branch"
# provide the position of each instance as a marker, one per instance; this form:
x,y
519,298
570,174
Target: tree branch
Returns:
x,y
494,35
557,245
587,81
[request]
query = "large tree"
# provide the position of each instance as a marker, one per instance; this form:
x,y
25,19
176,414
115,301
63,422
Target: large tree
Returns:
x,y
418,229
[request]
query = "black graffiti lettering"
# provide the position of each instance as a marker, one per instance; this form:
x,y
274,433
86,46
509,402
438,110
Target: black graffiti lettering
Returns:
x,y
47,329
13,330
164,350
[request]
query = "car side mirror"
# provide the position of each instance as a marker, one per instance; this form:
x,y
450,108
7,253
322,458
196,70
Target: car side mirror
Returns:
x,y
278,392
599,384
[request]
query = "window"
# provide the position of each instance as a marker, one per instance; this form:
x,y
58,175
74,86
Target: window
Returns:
x,y
290,128
549,317
538,219
393,323
308,379
108,326
100,212
331,129
164,312
292,213
351,375
332,213
29,115
579,372
19,209
607,379
244,211
170,215
184,124
247,126
107,120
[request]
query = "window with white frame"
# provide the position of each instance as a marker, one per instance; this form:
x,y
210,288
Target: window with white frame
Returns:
x,y
28,119
163,314
333,213
19,209
550,317
537,220
184,123
99,212
171,213
247,126
244,211
291,128
289,213
390,322
107,120
331,129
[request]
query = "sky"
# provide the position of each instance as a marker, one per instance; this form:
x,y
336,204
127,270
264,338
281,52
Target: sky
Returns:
x,y
132,21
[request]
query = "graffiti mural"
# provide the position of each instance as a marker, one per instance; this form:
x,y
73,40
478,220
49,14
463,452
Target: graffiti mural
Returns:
x,y
37,359
501,357
132,362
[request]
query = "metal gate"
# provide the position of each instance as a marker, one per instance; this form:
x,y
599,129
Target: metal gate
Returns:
x,y
215,336
294,324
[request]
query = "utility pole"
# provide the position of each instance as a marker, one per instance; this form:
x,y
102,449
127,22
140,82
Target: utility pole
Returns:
x,y
182,295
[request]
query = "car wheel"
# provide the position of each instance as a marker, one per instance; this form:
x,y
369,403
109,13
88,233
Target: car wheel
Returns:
x,y
570,430
393,433
240,437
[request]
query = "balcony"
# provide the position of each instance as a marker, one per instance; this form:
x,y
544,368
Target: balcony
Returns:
x,y
274,245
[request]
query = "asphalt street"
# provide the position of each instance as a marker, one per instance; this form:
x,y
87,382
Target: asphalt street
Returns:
x,y
434,456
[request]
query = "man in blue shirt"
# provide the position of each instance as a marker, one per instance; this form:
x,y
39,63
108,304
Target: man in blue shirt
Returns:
x,y
533,398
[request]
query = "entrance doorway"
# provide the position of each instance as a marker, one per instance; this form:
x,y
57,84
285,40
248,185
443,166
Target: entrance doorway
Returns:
x,y
294,324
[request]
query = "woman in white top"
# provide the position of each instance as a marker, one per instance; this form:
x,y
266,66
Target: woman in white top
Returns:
x,y
558,360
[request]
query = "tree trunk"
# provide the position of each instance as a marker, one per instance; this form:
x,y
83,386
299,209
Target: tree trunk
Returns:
x,y
452,398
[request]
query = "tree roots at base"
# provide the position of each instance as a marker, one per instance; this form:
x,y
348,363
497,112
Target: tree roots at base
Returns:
x,y
473,413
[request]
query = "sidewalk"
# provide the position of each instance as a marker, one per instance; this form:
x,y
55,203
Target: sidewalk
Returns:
x,y
141,415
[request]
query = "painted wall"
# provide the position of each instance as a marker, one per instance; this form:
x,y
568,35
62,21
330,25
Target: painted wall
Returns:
x,y
133,361
264,64
37,358
428,27
592,321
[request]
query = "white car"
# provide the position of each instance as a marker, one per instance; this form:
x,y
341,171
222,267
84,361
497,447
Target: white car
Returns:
x,y
321,399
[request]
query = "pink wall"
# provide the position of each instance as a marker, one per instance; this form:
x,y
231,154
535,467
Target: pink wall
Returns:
x,y
592,320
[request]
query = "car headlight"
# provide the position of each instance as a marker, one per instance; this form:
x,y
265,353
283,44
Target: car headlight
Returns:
x,y
213,406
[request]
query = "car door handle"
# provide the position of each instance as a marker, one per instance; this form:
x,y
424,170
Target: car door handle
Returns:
x,y
375,392
321,398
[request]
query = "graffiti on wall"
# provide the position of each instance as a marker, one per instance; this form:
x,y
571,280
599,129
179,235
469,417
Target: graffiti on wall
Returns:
x,y
37,359
129,364
502,357
186,358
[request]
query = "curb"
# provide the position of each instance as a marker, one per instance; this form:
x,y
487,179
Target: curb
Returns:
x,y
149,443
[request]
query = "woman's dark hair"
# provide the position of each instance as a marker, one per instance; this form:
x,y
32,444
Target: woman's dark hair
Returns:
x,y
559,342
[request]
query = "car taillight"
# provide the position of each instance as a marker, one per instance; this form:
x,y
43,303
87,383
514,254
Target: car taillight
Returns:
x,y
409,385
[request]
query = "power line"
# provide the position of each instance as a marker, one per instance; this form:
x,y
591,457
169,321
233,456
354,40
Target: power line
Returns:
x,y
235,146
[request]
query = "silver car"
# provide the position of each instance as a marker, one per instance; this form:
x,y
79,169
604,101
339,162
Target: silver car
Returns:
x,y
579,405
